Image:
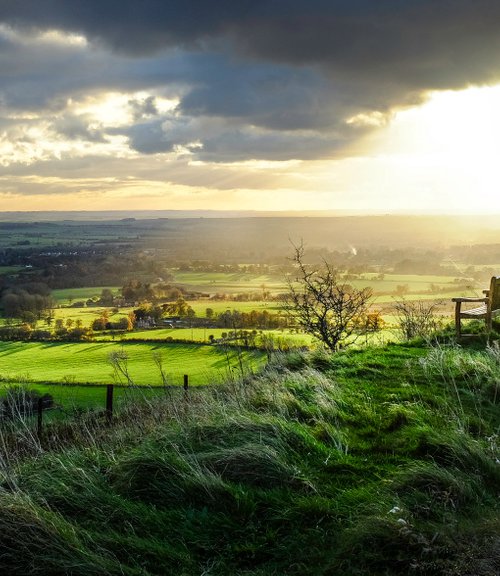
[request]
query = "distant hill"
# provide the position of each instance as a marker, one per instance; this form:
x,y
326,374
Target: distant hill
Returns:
x,y
261,230
54,216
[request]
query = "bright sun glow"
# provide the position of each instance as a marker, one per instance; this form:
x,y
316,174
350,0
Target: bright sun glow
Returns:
x,y
110,109
114,108
446,151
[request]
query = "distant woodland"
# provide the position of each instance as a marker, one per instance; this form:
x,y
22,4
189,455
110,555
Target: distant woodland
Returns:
x,y
72,253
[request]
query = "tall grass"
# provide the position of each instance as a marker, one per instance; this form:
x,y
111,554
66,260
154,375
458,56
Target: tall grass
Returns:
x,y
470,380
377,461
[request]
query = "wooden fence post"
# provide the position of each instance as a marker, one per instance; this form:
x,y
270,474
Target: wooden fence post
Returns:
x,y
39,424
186,392
109,402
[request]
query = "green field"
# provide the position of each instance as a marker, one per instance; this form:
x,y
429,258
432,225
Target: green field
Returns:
x,y
87,314
89,363
202,335
67,398
244,282
444,298
213,282
54,234
417,288
385,288
68,295
411,279
10,269
232,283
218,306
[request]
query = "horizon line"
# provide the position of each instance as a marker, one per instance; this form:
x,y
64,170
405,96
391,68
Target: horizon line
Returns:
x,y
214,213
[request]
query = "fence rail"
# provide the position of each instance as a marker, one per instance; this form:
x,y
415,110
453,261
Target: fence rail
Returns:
x,y
35,408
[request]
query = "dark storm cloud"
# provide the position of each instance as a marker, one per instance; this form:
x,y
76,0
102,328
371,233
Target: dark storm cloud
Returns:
x,y
276,96
217,142
131,26
419,43
43,75
280,78
240,145
151,138
219,99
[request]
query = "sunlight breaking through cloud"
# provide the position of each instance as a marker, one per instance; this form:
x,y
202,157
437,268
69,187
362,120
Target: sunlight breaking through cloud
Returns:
x,y
334,104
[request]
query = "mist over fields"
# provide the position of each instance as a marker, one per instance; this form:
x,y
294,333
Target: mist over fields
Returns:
x,y
260,231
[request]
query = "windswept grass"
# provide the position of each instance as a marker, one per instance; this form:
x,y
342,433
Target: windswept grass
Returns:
x,y
377,461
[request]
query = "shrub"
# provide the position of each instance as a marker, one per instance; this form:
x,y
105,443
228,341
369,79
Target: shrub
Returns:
x,y
416,319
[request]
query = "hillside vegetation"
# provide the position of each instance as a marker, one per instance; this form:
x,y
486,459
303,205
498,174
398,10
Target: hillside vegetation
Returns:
x,y
375,461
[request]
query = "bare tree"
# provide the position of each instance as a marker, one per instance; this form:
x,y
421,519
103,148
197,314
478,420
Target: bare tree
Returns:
x,y
324,306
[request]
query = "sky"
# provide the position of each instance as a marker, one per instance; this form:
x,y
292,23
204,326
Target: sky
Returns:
x,y
350,105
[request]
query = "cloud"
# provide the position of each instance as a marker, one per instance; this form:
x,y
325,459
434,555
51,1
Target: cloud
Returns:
x,y
130,26
274,96
144,108
161,172
256,79
220,103
417,43
151,138
40,74
78,128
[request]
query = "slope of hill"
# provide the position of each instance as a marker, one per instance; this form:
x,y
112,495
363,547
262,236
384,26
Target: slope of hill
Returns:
x,y
377,461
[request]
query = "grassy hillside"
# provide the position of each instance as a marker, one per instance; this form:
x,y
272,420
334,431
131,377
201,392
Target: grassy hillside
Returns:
x,y
377,461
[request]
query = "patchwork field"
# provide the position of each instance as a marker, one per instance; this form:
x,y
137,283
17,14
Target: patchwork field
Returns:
x,y
213,282
386,289
415,288
244,282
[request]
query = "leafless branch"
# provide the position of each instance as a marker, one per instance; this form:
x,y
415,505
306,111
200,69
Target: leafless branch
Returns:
x,y
323,305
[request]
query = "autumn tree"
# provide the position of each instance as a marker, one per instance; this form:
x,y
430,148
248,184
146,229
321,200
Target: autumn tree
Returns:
x,y
179,308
